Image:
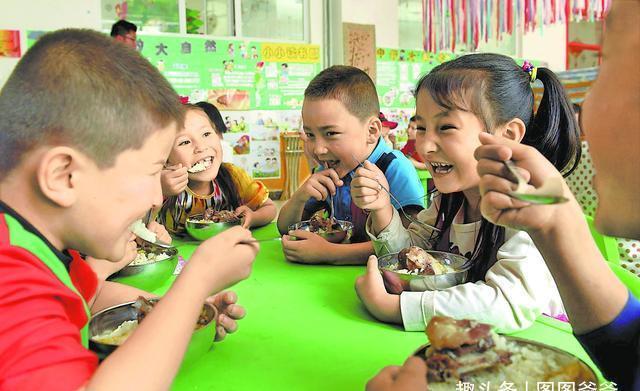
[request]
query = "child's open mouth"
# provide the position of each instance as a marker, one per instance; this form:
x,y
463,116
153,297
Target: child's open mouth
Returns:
x,y
441,168
201,165
331,163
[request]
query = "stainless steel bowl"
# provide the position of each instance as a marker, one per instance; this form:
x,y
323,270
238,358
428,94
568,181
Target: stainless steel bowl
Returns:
x,y
150,275
110,318
201,230
336,236
577,373
389,264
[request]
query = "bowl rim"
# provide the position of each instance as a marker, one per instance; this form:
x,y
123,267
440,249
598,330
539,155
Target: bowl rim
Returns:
x,y
190,218
344,225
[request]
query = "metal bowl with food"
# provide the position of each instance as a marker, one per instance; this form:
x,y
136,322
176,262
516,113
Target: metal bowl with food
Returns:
x,y
451,270
338,232
530,362
151,268
472,352
201,228
110,327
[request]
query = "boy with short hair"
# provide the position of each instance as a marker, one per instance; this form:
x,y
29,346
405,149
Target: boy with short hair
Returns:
x,y
86,126
342,130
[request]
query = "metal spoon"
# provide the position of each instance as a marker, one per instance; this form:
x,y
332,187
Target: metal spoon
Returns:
x,y
551,192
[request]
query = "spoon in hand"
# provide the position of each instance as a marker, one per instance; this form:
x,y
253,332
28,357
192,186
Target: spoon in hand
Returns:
x,y
551,191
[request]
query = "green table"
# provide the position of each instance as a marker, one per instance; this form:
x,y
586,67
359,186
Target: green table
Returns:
x,y
307,330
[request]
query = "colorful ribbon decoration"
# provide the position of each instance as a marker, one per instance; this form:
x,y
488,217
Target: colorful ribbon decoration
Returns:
x,y
448,24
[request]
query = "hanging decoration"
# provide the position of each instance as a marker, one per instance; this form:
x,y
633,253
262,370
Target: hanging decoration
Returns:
x,y
448,24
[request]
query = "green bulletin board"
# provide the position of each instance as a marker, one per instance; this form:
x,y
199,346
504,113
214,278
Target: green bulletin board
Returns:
x,y
258,87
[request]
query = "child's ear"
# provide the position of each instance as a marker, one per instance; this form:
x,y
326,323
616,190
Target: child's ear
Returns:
x,y
513,130
374,129
57,173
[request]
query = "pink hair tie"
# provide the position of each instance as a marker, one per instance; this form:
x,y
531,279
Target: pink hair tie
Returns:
x,y
531,70
184,100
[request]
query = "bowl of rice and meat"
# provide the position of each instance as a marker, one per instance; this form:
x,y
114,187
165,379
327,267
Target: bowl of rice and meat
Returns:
x,y
111,327
471,352
425,270
331,229
210,223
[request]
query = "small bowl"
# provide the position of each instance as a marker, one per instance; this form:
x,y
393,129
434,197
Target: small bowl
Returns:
x,y
201,230
336,236
149,276
389,264
110,318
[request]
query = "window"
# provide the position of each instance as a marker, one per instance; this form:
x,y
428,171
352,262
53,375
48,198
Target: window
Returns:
x,y
268,19
148,15
273,19
410,24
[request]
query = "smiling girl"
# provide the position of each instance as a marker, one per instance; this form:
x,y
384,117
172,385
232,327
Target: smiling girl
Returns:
x,y
196,179
509,284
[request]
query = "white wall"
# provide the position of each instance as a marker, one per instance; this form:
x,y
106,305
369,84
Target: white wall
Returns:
x,y
547,44
382,13
44,15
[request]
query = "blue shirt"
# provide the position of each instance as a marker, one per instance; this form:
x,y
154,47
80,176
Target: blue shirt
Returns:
x,y
403,181
615,348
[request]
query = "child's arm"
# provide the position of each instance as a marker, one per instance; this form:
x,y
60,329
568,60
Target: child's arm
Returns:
x,y
559,231
515,291
259,217
163,336
318,186
310,248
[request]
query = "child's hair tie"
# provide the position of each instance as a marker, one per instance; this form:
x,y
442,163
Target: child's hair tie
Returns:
x,y
531,70
184,100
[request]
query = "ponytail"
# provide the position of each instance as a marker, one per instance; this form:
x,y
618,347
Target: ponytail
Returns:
x,y
554,130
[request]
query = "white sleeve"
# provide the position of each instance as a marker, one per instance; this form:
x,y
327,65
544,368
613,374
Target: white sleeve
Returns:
x,y
516,290
395,236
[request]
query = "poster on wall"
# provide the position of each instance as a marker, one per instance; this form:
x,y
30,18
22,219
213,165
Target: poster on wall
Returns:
x,y
399,70
258,87
10,43
359,43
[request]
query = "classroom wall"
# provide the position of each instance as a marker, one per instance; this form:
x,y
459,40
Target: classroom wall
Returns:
x,y
45,15
546,44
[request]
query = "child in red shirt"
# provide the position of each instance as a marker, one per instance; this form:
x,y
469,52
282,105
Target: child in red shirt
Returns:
x,y
86,126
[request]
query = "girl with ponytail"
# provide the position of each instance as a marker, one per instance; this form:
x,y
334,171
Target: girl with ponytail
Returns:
x,y
509,284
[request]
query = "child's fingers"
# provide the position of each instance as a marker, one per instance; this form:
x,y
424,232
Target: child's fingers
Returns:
x,y
317,191
230,325
333,175
415,368
364,182
327,183
372,265
302,234
235,311
493,152
495,183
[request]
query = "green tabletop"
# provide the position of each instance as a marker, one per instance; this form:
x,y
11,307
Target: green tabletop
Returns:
x,y
305,329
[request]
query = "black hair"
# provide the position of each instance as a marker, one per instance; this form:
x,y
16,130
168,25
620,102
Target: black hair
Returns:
x,y
412,119
227,185
214,116
495,89
350,85
122,27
